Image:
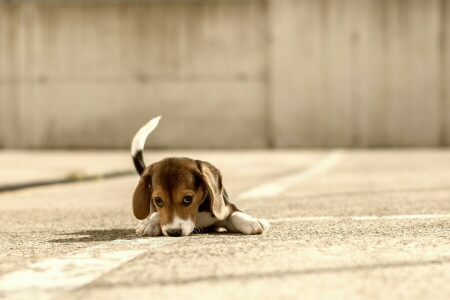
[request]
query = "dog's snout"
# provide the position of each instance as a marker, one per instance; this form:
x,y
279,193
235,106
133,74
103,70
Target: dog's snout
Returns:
x,y
178,227
174,232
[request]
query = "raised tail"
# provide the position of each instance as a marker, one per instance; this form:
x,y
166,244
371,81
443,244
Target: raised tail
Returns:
x,y
137,145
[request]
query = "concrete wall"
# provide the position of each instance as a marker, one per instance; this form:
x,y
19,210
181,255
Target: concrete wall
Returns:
x,y
225,73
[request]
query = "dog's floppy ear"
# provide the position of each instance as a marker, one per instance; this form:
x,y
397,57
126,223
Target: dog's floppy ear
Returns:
x,y
213,180
142,204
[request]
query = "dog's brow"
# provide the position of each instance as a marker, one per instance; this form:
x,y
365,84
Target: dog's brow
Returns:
x,y
181,181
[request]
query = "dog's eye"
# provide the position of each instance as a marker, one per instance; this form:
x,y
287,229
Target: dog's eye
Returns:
x,y
187,200
159,202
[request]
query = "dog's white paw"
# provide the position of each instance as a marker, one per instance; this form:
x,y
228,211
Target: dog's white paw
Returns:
x,y
264,224
248,225
149,226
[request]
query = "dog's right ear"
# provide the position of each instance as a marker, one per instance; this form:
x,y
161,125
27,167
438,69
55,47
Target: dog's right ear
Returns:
x,y
142,204
213,180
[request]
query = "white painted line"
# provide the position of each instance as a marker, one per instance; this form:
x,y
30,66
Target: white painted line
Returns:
x,y
279,185
62,273
359,218
44,279
438,216
300,219
364,218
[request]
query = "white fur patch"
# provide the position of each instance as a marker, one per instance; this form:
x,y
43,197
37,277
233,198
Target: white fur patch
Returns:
x,y
205,219
186,226
149,226
240,222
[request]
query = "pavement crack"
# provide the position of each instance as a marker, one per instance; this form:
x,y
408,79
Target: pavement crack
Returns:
x,y
67,180
275,274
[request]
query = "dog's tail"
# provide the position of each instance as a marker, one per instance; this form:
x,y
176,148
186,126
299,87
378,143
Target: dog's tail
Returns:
x,y
137,145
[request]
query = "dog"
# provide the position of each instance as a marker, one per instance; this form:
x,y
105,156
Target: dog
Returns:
x,y
178,196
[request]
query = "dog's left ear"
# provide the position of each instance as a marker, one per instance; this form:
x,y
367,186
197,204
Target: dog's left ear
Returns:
x,y
213,180
142,204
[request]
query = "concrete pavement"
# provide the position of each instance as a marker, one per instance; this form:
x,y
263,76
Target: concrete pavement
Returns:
x,y
374,225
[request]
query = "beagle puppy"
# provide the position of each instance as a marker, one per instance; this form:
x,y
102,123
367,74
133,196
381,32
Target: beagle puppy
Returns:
x,y
178,196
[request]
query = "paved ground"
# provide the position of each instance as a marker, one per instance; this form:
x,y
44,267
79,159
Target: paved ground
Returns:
x,y
349,224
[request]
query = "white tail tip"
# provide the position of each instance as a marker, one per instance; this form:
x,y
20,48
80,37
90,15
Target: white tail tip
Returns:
x,y
141,136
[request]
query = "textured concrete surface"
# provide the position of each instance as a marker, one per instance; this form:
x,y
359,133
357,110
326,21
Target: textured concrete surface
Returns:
x,y
305,254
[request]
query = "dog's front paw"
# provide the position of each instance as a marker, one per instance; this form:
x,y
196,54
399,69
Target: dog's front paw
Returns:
x,y
146,228
248,225
149,227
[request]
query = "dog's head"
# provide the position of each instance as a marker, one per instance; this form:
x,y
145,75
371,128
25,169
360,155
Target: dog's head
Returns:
x,y
175,188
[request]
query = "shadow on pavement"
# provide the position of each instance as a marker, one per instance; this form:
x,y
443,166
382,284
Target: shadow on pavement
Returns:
x,y
105,235
96,236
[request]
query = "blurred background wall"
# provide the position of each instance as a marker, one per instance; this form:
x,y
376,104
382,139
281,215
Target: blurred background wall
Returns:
x,y
225,73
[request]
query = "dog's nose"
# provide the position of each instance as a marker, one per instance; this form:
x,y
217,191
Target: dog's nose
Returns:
x,y
174,232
